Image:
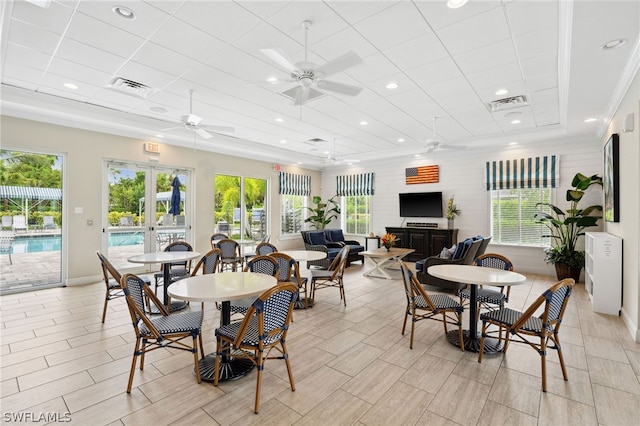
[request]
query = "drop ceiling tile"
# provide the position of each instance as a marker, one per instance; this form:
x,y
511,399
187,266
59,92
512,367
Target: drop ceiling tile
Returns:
x,y
545,96
529,16
78,73
440,16
24,56
355,11
487,94
32,37
463,99
536,43
147,18
487,57
540,65
393,26
342,42
168,61
446,88
168,6
481,30
495,78
430,74
226,21
30,77
405,84
27,83
52,19
324,21
417,52
240,64
264,9
264,36
374,68
93,32
187,40
83,54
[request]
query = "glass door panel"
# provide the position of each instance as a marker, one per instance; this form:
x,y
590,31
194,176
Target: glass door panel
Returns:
x,y
228,212
170,208
255,195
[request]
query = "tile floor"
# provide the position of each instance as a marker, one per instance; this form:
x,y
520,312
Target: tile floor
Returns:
x,y
351,366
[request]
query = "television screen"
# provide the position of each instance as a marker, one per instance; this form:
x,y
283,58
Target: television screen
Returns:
x,y
421,204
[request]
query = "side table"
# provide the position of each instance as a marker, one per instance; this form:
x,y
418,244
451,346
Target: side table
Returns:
x,y
366,242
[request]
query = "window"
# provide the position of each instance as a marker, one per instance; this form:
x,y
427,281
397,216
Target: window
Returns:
x,y
292,213
241,206
356,214
512,213
516,187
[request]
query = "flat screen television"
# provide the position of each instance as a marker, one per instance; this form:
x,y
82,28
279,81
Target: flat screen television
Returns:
x,y
421,204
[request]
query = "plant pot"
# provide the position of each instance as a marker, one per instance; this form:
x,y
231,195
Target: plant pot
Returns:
x,y
450,224
565,271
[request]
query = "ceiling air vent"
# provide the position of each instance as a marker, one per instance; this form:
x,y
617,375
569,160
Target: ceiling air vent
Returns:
x,y
508,103
130,87
314,142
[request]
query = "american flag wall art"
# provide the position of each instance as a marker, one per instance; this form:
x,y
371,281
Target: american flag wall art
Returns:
x,y
422,174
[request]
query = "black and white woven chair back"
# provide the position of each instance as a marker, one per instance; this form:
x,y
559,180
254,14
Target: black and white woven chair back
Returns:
x,y
275,313
263,265
494,261
556,301
179,246
229,248
265,248
286,265
407,276
210,261
134,288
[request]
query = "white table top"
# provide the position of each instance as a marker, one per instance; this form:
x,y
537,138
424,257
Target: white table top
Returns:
x,y
164,257
304,255
383,253
470,274
221,286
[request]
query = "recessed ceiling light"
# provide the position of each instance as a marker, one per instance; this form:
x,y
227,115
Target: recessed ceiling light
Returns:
x,y
513,114
392,85
454,4
516,122
590,120
326,152
283,141
280,120
159,136
613,43
124,12
513,143
401,140
501,92
272,80
363,123
70,86
417,155
158,109
300,162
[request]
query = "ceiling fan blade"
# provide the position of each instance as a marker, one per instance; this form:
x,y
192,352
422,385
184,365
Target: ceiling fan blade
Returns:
x,y
348,60
171,128
203,133
217,129
280,57
334,86
446,146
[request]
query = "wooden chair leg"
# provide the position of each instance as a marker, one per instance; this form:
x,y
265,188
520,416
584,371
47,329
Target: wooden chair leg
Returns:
x,y
413,324
195,357
460,336
560,356
285,354
259,366
404,324
543,362
133,366
104,310
481,350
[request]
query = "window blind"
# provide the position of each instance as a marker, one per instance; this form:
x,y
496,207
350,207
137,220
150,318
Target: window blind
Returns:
x,y
535,172
294,184
353,185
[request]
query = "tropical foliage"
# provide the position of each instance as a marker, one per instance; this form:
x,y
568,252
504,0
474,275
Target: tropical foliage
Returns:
x,y
323,213
566,227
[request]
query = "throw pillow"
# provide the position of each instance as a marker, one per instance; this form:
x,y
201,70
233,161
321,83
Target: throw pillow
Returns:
x,y
336,235
445,254
462,248
317,238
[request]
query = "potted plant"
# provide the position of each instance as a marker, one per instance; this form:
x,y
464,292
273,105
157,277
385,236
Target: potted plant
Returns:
x,y
323,213
566,227
452,212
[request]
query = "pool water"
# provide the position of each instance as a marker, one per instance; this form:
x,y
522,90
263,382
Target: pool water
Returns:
x,y
40,243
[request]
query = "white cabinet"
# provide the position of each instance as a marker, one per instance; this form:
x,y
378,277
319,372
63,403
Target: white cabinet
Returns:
x,y
603,272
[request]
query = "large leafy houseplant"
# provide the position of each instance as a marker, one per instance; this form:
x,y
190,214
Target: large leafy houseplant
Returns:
x,y
323,213
566,227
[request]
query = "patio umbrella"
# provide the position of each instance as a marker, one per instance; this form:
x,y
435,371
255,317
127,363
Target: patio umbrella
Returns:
x,y
175,197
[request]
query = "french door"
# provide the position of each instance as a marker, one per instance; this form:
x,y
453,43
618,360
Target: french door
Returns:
x,y
146,209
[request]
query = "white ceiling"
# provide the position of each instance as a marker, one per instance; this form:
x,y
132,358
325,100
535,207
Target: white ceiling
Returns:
x,y
447,63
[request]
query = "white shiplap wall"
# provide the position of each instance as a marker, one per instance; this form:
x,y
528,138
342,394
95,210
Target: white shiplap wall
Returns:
x,y
462,176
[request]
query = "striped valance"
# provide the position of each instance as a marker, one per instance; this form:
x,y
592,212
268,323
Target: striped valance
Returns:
x,y
351,185
30,192
293,184
536,172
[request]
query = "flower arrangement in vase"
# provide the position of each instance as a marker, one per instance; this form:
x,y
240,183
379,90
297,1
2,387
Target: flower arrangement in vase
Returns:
x,y
452,212
388,241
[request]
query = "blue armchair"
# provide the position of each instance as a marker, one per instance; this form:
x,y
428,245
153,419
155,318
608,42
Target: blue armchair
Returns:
x,y
316,241
355,248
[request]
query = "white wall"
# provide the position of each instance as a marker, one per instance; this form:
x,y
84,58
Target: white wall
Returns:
x,y
628,228
85,152
462,176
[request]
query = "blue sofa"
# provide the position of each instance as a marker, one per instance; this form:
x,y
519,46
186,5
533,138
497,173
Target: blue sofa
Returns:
x,y
330,241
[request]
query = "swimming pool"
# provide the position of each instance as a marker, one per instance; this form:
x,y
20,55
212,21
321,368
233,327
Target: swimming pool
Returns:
x,y
40,243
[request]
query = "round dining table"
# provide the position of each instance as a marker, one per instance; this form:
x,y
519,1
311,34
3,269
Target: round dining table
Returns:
x,y
222,287
475,276
166,258
304,256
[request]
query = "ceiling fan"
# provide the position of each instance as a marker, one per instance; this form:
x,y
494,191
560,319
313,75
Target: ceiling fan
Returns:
x,y
309,77
434,143
193,122
332,159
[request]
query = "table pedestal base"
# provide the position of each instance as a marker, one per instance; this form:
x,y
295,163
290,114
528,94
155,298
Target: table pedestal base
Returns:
x,y
472,344
230,369
300,303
